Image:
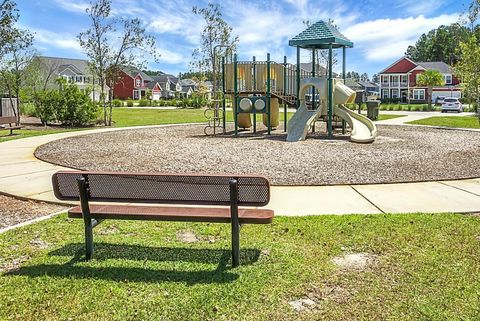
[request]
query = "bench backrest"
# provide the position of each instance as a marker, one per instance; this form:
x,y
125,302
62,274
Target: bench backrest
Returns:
x,y
190,189
7,120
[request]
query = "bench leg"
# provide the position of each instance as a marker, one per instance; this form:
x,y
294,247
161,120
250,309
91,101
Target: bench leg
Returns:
x,y
235,223
235,243
88,239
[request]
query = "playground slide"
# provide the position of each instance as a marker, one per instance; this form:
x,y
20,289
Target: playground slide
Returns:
x,y
301,122
363,129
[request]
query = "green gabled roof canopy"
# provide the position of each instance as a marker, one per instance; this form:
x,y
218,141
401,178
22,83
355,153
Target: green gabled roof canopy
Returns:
x,y
320,35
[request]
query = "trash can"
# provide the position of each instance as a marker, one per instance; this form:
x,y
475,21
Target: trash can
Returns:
x,y
372,109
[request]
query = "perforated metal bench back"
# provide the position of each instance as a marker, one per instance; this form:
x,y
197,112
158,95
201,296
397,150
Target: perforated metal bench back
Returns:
x,y
162,188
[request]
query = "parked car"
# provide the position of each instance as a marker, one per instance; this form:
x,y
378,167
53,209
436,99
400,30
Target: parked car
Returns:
x,y
439,100
452,104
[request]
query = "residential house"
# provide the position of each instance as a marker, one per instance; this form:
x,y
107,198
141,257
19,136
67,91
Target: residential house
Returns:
x,y
133,83
399,81
74,71
170,85
189,86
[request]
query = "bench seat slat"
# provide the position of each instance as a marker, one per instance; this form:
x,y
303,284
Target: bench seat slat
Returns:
x,y
168,213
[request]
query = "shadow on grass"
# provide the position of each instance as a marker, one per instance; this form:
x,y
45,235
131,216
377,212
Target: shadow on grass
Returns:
x,y
104,251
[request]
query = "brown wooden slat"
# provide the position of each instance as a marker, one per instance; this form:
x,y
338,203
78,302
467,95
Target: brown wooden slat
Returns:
x,y
181,214
7,120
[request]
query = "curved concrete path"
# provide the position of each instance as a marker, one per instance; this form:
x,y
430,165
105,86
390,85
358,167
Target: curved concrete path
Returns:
x,y
24,176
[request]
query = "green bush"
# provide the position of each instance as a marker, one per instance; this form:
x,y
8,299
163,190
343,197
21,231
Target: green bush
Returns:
x,y
117,103
46,105
76,107
397,107
129,103
425,108
143,103
27,109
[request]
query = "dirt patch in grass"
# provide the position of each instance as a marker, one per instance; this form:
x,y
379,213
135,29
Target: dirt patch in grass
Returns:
x,y
355,261
14,211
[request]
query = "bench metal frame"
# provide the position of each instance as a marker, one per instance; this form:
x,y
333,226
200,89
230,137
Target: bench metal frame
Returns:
x,y
90,223
7,120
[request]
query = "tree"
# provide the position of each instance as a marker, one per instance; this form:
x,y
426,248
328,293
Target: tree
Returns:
x,y
441,44
15,53
375,78
468,69
364,77
430,78
216,41
111,44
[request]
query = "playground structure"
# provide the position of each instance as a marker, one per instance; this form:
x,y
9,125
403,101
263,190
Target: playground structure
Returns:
x,y
259,87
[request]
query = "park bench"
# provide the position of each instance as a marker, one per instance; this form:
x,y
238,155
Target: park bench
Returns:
x,y
199,192
11,122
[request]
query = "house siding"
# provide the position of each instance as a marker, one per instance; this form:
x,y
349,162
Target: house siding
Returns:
x,y
123,89
403,66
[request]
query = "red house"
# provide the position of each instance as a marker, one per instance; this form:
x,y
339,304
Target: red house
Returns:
x,y
399,81
134,83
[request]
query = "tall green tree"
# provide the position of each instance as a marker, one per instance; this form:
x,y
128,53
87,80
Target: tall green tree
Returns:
x,y
110,44
216,33
430,78
15,53
440,44
468,69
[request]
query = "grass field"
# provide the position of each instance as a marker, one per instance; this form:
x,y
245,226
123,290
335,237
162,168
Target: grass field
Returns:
x,y
421,267
125,117
459,122
389,116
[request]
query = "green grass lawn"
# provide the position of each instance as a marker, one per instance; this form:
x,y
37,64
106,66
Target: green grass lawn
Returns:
x,y
425,267
125,117
385,116
446,121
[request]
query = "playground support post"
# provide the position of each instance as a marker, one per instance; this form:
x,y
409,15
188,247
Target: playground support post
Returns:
x,y
298,77
235,93
254,88
285,93
224,105
313,88
269,95
344,70
330,90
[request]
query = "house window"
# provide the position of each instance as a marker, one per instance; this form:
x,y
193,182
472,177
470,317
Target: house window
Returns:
x,y
137,82
394,80
384,79
448,79
384,93
419,94
394,93
404,79
79,79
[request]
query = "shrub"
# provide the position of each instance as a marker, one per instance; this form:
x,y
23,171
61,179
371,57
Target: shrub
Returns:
x,y
425,108
27,109
397,107
117,103
129,103
76,107
46,105
143,103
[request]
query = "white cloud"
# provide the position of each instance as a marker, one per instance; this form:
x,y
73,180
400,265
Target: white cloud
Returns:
x,y
54,39
73,6
171,57
416,7
384,39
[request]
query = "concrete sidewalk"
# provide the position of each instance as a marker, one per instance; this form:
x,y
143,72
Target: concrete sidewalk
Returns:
x,y
24,176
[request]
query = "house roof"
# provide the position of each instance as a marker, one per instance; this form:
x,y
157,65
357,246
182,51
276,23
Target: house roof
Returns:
x,y
320,35
188,82
319,69
436,65
134,72
352,83
152,84
79,66
405,64
366,84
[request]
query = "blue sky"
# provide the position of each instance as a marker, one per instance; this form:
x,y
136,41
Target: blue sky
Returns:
x,y
380,30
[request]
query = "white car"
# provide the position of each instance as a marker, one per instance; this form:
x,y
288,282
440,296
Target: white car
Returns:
x,y
452,104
